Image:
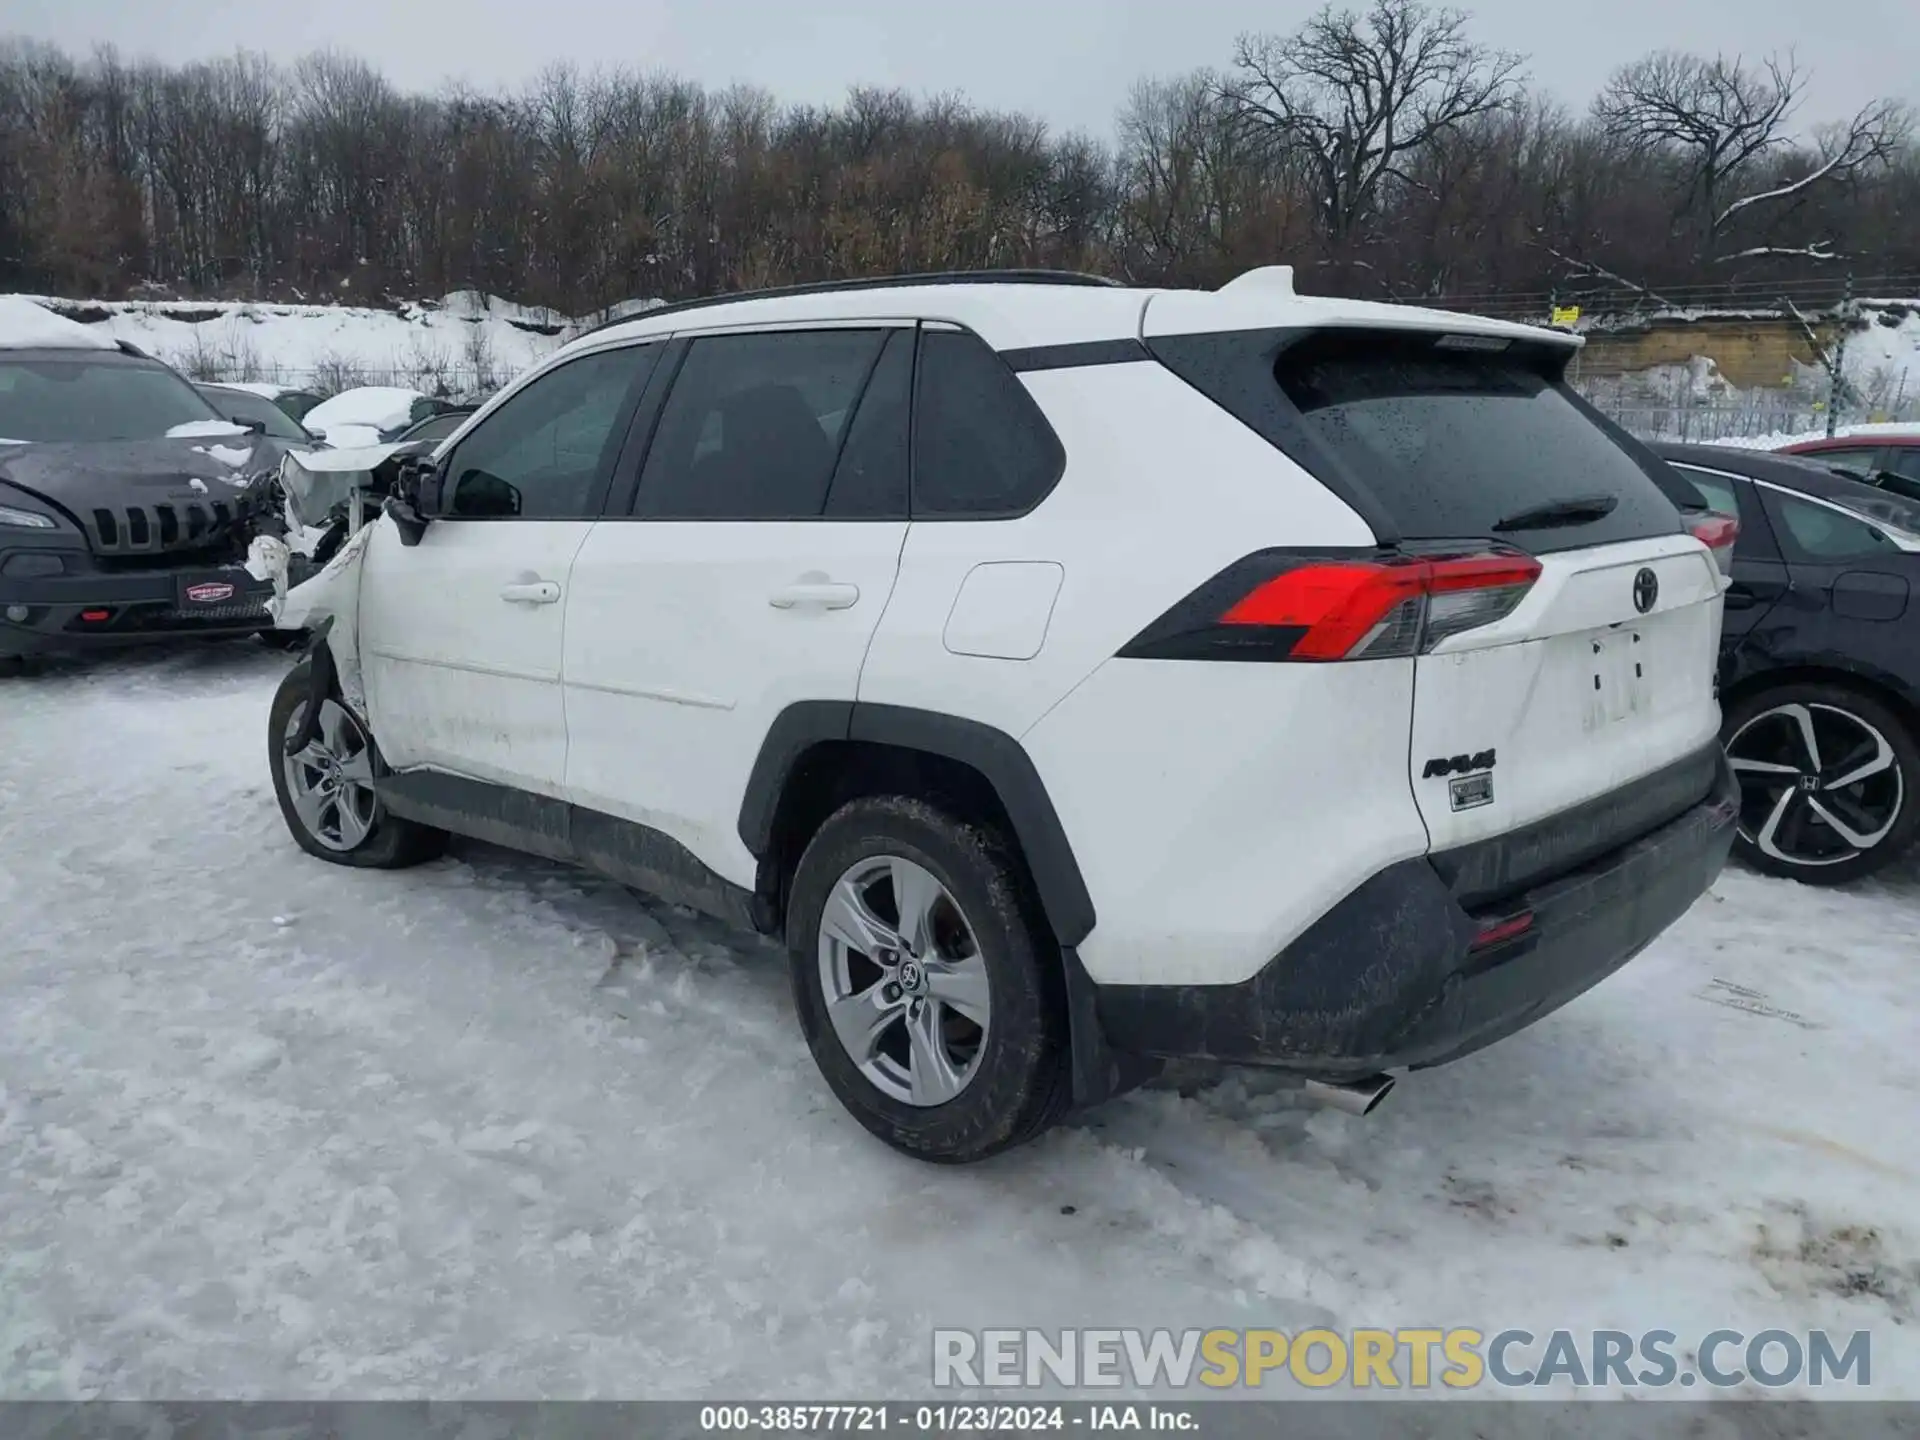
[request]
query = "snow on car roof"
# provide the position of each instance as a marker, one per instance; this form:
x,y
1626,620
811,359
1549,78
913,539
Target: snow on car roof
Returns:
x,y
265,389
380,407
27,326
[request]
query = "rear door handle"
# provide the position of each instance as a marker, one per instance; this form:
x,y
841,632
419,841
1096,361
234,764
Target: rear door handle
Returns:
x,y
822,594
531,592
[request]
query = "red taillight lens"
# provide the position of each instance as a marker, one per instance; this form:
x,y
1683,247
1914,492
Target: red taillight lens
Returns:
x,y
1341,606
1498,932
1371,609
94,617
1718,533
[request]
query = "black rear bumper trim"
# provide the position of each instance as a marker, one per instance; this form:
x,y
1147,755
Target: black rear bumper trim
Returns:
x,y
1387,979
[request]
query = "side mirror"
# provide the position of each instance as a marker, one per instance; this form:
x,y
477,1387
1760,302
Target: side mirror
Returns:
x,y
415,499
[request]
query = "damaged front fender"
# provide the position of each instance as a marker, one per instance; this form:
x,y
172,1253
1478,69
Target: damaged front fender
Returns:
x,y
327,605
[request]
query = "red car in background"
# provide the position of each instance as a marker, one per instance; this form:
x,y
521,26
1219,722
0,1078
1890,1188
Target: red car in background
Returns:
x,y
1891,461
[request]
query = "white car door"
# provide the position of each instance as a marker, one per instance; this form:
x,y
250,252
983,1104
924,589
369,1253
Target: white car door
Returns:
x,y
761,549
460,635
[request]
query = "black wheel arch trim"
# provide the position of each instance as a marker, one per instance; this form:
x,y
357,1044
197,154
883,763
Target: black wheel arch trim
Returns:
x,y
999,758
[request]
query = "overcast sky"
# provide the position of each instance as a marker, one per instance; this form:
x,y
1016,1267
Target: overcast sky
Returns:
x,y
1071,62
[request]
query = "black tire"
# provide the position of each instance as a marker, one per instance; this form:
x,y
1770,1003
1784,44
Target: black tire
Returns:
x,y
390,843
1021,1082
1836,707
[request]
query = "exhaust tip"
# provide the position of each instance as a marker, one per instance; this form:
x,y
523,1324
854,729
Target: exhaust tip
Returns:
x,y
1355,1097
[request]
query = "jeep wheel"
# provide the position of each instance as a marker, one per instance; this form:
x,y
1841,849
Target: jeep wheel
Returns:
x,y
927,985
326,789
1827,782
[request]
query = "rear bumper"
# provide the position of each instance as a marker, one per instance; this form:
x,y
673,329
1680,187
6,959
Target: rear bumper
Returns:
x,y
1390,978
139,606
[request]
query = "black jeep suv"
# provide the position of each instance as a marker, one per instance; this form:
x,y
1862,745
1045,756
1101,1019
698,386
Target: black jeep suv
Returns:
x,y
126,505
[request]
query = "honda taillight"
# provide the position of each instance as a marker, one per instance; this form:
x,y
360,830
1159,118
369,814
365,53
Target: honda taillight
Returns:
x,y
1277,606
1718,533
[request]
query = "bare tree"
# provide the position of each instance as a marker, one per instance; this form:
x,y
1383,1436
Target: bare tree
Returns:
x,y
1728,127
1356,98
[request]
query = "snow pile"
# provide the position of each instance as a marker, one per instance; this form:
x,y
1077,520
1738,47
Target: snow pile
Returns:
x,y
26,325
467,344
373,407
202,429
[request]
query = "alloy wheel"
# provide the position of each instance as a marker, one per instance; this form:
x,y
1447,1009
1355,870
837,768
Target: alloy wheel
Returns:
x,y
1819,785
904,981
331,780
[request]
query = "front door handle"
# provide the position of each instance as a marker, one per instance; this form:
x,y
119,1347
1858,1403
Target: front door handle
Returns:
x,y
1739,597
820,594
531,592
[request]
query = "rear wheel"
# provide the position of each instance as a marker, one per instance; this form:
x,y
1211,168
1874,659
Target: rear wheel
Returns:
x,y
1827,782
927,984
326,788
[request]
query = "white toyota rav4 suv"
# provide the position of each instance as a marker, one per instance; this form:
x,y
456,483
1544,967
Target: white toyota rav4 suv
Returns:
x,y
1076,676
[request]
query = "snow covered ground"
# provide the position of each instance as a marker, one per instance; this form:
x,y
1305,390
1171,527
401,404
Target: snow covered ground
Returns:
x,y
270,1128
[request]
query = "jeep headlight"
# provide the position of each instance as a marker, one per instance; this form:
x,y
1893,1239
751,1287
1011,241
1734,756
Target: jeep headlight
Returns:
x,y
25,519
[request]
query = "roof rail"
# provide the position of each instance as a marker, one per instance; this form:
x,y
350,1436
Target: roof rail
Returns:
x,y
870,282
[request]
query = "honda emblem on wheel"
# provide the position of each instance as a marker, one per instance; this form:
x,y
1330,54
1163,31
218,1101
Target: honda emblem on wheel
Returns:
x,y
208,593
1646,590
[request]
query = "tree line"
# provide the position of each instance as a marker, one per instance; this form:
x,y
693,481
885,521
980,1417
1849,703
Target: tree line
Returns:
x,y
1385,151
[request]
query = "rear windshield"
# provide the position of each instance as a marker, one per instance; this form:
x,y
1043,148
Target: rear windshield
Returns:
x,y
1455,443
85,400
241,406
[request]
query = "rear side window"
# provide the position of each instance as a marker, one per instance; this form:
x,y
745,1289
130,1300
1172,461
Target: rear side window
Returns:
x,y
1434,435
754,425
1718,492
981,448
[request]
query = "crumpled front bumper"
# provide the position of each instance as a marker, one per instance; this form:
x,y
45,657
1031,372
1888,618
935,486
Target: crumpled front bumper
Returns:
x,y
86,609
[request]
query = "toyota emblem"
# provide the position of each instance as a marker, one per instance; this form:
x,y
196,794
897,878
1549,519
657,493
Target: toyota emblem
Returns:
x,y
1646,590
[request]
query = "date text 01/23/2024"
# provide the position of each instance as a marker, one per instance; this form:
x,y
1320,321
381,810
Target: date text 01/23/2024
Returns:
x,y
949,1419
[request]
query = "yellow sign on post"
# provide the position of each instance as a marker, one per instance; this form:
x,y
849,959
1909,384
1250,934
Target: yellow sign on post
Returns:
x,y
1568,315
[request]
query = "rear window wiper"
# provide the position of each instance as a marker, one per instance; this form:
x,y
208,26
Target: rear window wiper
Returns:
x,y
1583,510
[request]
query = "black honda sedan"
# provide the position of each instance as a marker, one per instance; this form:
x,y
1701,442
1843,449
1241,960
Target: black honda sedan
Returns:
x,y
1819,660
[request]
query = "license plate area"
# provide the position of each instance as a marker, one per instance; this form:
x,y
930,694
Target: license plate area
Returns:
x,y
1619,677
206,589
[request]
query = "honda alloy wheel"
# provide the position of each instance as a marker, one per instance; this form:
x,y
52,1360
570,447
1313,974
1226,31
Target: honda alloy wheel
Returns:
x,y
1826,783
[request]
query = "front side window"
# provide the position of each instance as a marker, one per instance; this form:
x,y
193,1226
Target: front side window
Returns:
x,y
83,401
544,454
755,425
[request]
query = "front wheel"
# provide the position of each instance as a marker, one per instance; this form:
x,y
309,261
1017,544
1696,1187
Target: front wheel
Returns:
x,y
326,789
927,984
1827,782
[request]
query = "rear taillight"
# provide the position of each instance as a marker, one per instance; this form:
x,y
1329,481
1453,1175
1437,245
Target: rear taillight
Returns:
x,y
1718,533
1276,606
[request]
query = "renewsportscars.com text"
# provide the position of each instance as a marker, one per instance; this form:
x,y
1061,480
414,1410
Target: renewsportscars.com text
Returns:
x,y
1458,1359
